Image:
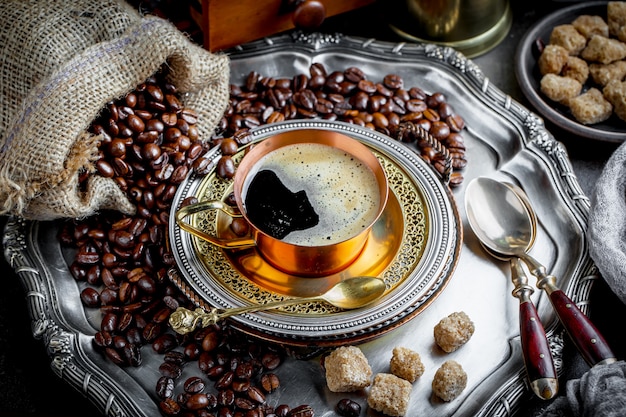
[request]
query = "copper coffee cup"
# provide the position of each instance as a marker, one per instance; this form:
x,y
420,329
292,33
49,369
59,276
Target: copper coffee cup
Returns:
x,y
296,259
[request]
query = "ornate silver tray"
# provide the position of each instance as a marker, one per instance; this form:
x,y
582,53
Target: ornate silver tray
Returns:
x,y
504,140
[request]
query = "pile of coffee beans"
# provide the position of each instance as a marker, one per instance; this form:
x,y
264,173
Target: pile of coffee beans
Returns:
x,y
235,380
149,145
349,96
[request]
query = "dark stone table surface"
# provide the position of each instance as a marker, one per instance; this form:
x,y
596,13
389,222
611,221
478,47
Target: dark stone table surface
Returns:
x,y
29,387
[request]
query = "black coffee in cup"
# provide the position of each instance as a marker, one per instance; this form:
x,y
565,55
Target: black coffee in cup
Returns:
x,y
311,194
275,209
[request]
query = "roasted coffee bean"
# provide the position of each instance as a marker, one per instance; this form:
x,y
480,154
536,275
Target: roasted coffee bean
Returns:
x,y
240,385
175,357
165,387
225,380
439,130
348,408
244,370
455,122
206,362
109,323
146,284
182,398
301,411
196,401
114,356
162,315
105,169
132,354
239,226
190,116
151,332
210,341
103,339
282,410
90,297
456,178
270,382
125,322
133,335
244,404
169,407
215,372
271,361
226,397
87,258
225,167
257,412
170,370
354,74
194,385
212,402
164,343
393,81
256,395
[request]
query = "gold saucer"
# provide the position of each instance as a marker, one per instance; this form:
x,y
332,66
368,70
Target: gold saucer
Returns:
x,y
414,248
381,247
392,251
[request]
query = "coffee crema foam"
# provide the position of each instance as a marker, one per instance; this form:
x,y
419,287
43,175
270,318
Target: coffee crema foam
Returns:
x,y
342,190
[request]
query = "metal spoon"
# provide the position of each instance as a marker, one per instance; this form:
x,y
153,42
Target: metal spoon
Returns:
x,y
348,294
504,224
536,351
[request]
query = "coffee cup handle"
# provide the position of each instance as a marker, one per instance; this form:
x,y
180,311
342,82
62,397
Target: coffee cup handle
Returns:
x,y
236,243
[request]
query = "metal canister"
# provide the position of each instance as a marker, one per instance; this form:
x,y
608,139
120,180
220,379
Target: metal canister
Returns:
x,y
471,26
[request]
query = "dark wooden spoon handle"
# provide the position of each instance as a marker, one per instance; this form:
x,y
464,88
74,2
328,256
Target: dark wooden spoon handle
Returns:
x,y
537,355
590,343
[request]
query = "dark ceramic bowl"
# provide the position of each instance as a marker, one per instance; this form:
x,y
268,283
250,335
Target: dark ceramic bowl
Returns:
x,y
528,76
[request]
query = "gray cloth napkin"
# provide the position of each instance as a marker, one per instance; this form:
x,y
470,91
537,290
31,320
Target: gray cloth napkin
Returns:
x,y
607,223
601,392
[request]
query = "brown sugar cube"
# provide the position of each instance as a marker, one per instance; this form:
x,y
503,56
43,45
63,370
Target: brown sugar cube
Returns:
x,y
604,73
449,381
590,107
589,26
406,364
560,89
615,93
603,50
453,331
347,369
615,16
552,59
569,38
576,68
390,395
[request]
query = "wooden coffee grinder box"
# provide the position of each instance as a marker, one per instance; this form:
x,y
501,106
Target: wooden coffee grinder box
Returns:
x,y
227,23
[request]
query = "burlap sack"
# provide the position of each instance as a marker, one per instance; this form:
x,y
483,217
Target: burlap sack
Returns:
x,y
61,62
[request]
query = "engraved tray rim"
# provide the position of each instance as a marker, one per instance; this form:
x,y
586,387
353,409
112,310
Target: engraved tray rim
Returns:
x,y
516,148
416,292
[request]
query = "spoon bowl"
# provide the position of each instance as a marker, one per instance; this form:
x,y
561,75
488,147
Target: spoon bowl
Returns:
x,y
533,221
354,292
348,294
498,217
